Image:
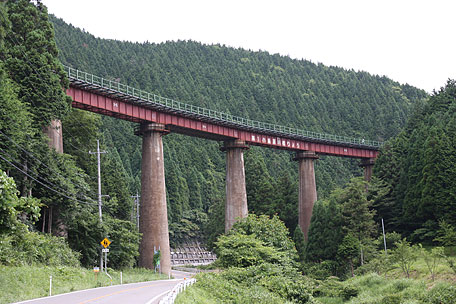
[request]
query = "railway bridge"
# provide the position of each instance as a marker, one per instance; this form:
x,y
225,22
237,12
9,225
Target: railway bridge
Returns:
x,y
158,116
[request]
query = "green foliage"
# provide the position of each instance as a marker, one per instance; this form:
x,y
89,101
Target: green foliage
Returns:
x,y
31,59
296,290
323,269
269,283
300,242
418,169
441,293
125,239
405,255
255,240
85,233
446,235
432,258
271,231
391,239
254,85
346,212
156,259
13,209
349,291
451,261
381,264
219,290
32,248
30,282
325,233
349,249
240,250
8,203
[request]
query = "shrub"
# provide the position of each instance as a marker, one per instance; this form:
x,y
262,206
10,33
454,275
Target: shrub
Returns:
x,y
328,288
222,290
348,291
323,270
239,250
405,255
392,299
295,290
441,293
271,231
255,240
32,248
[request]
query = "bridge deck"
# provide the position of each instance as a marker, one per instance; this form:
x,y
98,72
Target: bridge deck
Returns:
x,y
111,98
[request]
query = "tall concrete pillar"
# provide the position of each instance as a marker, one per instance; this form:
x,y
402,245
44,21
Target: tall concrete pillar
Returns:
x,y
367,164
236,194
307,189
54,132
153,222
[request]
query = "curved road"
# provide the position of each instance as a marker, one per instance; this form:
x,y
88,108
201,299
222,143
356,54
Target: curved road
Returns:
x,y
136,293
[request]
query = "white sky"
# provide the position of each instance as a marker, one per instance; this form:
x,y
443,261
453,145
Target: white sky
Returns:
x,y
410,41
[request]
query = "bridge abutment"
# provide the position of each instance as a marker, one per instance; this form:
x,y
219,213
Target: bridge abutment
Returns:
x,y
307,189
236,194
153,222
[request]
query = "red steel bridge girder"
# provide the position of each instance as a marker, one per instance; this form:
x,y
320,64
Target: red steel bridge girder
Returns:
x,y
105,105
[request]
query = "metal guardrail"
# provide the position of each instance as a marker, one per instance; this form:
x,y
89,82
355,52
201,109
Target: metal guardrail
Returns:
x,y
171,296
143,97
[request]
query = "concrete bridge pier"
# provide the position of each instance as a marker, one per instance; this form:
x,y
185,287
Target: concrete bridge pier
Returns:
x,y
153,222
307,189
236,194
54,133
54,219
368,165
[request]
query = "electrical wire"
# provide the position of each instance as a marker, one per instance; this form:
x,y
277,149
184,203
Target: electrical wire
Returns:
x,y
17,44
44,185
40,162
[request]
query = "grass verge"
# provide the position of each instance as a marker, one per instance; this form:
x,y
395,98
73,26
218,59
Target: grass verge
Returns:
x,y
29,282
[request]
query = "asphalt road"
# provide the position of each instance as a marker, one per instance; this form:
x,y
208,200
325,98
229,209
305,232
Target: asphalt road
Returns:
x,y
136,293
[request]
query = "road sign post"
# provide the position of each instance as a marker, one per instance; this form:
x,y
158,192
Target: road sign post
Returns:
x,y
105,243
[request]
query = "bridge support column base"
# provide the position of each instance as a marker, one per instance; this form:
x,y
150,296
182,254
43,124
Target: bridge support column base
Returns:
x,y
368,165
236,194
153,222
307,189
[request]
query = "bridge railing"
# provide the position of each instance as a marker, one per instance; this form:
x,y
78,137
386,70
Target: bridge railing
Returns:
x,y
141,97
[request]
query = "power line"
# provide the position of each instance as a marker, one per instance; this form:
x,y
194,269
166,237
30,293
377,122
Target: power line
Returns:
x,y
44,185
36,175
40,162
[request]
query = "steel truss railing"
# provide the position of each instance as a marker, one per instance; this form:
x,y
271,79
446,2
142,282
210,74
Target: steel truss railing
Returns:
x,y
133,95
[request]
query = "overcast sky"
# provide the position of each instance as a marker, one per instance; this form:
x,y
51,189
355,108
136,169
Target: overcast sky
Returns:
x,y
410,41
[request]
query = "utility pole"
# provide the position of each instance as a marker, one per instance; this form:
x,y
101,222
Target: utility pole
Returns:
x,y
136,197
99,190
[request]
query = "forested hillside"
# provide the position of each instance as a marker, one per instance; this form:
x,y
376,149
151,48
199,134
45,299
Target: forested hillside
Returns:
x,y
56,193
418,170
255,85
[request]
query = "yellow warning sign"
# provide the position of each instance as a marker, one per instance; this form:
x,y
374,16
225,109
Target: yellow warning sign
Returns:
x,y
105,242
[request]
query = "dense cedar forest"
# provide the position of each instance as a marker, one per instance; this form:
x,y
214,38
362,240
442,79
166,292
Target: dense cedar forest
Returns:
x,y
256,85
413,188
